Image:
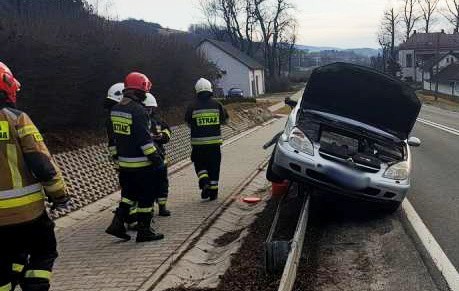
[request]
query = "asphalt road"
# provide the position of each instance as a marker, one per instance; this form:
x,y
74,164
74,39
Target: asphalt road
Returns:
x,y
435,185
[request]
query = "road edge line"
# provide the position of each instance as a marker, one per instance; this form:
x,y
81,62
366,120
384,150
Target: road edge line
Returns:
x,y
439,126
431,250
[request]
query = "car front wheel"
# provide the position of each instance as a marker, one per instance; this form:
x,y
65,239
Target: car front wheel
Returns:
x,y
270,175
390,207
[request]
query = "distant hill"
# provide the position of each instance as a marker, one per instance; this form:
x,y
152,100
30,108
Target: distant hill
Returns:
x,y
317,48
367,52
141,26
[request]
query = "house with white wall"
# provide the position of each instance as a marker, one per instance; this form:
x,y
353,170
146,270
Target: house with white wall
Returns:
x,y
238,70
446,81
423,49
435,65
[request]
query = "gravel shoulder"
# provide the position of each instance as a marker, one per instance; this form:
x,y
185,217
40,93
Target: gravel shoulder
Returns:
x,y
348,247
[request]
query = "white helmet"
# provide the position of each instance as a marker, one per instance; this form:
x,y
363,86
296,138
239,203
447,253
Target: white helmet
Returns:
x,y
203,85
150,101
115,92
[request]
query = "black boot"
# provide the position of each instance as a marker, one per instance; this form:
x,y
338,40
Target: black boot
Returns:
x,y
145,232
117,228
205,192
163,211
213,196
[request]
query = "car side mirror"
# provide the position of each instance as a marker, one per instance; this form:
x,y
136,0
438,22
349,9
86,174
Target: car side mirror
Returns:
x,y
290,102
414,141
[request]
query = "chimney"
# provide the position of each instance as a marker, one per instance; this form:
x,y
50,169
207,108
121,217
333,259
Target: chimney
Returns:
x,y
414,31
456,31
442,31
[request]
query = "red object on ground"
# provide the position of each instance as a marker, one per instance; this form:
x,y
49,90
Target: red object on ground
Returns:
x,y
280,189
251,200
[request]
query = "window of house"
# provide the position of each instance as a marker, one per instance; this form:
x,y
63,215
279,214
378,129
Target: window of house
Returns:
x,y
409,60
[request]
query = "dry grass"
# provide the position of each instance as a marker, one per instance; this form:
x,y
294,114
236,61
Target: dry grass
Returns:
x,y
441,102
284,110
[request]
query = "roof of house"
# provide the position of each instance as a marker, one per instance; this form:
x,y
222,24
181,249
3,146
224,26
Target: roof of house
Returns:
x,y
429,41
430,63
235,53
450,73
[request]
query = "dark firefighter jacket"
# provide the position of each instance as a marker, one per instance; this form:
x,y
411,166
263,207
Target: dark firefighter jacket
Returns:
x,y
205,117
28,172
135,147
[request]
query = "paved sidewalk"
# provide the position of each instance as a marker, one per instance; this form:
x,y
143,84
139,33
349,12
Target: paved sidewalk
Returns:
x,y
91,260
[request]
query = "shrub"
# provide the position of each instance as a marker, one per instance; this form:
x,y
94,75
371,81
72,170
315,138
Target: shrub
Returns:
x,y
66,57
276,85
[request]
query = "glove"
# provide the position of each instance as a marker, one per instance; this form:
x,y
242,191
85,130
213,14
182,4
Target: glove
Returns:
x,y
156,160
60,203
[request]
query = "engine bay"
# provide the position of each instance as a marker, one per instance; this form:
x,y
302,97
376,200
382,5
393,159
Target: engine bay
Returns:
x,y
346,144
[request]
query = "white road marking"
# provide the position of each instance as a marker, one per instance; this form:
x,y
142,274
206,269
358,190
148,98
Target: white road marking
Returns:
x,y
439,126
435,251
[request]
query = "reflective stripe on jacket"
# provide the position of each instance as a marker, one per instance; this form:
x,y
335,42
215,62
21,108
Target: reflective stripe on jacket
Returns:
x,y
131,134
205,118
27,170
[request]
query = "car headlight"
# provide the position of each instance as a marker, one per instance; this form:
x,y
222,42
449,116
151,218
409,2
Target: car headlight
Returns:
x,y
288,129
399,171
300,142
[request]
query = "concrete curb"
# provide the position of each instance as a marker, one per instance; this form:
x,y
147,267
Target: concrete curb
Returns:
x,y
197,233
440,267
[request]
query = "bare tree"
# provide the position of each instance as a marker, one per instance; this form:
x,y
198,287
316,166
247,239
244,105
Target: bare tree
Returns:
x,y
250,26
384,42
387,37
390,21
452,13
428,8
210,12
273,20
410,17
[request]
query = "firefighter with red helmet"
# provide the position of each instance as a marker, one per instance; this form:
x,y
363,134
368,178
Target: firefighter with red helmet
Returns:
x,y
28,175
138,160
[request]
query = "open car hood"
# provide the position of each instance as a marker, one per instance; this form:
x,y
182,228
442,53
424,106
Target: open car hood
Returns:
x,y
364,95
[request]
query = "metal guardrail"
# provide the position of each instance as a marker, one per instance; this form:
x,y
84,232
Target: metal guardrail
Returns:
x,y
289,275
284,255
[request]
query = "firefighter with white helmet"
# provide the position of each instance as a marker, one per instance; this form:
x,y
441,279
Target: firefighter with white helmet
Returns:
x,y
205,117
28,175
161,134
114,96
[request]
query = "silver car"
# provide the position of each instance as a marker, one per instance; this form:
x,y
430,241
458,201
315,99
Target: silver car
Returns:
x,y
349,134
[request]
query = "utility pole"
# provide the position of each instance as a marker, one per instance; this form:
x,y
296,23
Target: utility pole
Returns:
x,y
437,55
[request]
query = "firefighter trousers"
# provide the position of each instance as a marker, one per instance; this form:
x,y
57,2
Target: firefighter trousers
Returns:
x,y
137,194
207,160
162,192
27,253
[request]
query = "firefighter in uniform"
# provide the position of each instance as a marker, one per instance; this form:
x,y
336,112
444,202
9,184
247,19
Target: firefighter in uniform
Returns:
x,y
161,134
114,96
28,175
138,160
205,117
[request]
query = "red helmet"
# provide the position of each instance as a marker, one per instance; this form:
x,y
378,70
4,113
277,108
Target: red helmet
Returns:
x,y
8,83
137,81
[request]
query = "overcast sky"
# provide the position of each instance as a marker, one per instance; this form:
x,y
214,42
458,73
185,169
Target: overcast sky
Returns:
x,y
337,23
